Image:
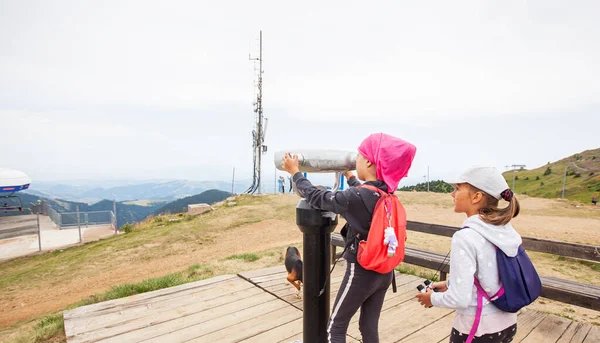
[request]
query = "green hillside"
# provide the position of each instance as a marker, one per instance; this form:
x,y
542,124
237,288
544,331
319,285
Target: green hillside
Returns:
x,y
582,181
209,197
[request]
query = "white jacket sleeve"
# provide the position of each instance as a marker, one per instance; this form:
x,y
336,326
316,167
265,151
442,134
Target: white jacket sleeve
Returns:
x,y
463,265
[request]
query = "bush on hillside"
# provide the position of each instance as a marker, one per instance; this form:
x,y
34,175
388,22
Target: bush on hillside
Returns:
x,y
437,186
537,177
527,178
548,171
127,228
577,175
542,184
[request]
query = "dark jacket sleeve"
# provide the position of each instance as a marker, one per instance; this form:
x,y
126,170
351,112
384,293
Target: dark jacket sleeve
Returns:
x,y
336,202
353,182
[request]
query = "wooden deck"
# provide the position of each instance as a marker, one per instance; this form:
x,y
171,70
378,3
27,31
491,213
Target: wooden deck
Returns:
x,y
261,306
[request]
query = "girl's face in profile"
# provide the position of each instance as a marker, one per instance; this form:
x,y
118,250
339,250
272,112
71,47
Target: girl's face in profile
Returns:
x,y
362,166
462,198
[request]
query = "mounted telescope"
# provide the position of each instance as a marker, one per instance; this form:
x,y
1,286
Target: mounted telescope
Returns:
x,y
320,161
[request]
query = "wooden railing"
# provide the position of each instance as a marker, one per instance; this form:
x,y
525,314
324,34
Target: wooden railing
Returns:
x,y
552,288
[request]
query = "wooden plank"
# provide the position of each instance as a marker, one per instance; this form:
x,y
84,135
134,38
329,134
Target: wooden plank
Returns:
x,y
89,309
549,330
575,333
527,320
406,318
136,308
583,251
435,229
97,328
247,329
568,294
232,320
593,335
262,272
299,337
266,278
203,322
425,259
433,332
287,330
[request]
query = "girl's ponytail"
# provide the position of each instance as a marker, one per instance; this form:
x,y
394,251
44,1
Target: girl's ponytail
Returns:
x,y
491,214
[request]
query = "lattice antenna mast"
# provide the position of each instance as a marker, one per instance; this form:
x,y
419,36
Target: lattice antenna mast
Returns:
x,y
258,134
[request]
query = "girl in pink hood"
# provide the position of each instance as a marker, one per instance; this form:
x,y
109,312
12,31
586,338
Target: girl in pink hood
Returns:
x,y
382,161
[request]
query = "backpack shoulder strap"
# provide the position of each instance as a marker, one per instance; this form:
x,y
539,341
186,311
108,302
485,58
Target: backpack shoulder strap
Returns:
x,y
373,188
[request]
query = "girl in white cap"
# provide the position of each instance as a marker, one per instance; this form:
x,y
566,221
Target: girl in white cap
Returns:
x,y
473,256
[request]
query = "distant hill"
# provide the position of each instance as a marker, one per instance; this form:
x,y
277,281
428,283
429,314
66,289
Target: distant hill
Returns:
x,y
209,197
437,186
125,213
583,178
157,190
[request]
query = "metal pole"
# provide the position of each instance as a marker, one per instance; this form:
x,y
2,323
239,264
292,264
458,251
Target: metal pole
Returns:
x,y
233,181
564,183
39,232
260,133
78,222
427,178
316,226
115,212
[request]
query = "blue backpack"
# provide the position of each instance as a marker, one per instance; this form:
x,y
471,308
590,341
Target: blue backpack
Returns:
x,y
521,285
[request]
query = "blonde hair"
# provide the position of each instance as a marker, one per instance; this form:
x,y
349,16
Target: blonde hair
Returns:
x,y
491,214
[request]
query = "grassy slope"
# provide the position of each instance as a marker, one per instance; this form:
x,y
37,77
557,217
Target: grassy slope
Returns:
x,y
577,188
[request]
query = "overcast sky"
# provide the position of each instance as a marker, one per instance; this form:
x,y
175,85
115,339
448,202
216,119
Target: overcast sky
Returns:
x,y
164,90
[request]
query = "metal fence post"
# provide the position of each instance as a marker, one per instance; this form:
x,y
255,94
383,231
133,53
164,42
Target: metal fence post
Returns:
x,y
78,222
115,213
39,232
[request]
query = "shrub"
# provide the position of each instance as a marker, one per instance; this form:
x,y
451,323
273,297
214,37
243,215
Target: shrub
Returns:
x,y
548,171
537,178
127,228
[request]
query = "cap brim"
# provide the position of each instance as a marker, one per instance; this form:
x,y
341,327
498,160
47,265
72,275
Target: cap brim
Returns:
x,y
454,182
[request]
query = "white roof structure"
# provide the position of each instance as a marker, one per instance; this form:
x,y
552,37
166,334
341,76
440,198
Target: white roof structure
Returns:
x,y
13,180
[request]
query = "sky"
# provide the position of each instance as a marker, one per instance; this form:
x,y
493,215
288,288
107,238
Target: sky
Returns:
x,y
143,90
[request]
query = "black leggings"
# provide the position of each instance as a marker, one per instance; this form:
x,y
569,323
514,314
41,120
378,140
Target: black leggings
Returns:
x,y
362,289
504,336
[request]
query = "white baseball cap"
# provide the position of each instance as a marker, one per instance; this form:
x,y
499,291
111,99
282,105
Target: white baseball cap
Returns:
x,y
488,179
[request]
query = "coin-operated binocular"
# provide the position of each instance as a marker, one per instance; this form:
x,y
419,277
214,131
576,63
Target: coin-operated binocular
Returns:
x,y
320,161
316,226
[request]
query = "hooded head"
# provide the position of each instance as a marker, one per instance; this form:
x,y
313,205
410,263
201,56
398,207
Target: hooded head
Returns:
x,y
391,156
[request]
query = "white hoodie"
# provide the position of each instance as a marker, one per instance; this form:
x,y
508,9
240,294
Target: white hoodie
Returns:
x,y
473,254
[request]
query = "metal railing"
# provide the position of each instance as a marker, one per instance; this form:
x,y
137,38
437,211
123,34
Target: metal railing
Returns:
x,y
69,219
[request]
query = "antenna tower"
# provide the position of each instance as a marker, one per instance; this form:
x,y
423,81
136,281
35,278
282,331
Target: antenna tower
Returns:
x,y
258,133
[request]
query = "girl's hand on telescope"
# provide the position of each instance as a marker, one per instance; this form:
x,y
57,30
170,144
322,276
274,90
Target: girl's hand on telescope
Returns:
x,y
290,163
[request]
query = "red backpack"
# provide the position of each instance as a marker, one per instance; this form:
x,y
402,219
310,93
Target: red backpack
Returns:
x,y
373,253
